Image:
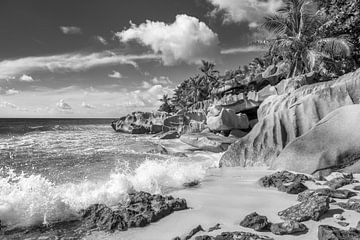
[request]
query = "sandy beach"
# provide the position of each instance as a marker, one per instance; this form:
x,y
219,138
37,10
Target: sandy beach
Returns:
x,y
226,196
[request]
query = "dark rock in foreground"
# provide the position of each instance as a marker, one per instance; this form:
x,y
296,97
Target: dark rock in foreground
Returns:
x,y
338,193
285,181
191,233
288,227
313,209
141,209
256,222
234,236
351,204
340,182
216,227
326,232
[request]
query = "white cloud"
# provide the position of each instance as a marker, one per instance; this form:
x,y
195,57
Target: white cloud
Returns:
x,y
70,30
251,11
63,105
4,104
161,80
185,40
67,62
86,105
244,50
146,84
101,40
11,92
26,78
8,105
115,74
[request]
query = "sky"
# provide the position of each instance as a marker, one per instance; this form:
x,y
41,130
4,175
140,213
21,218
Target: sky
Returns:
x,y
106,58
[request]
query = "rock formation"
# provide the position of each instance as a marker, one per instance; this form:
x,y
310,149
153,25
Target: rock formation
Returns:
x,y
332,144
282,118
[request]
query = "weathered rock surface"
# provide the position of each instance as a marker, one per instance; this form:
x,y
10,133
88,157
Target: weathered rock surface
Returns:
x,y
326,232
208,141
340,194
101,217
288,227
351,204
333,144
227,119
256,222
234,236
140,123
216,227
340,182
283,118
285,181
140,210
313,209
191,233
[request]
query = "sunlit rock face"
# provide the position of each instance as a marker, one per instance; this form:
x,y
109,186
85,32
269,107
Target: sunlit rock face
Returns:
x,y
283,118
334,143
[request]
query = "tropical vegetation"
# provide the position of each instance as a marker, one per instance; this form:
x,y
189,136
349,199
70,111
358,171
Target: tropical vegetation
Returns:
x,y
321,36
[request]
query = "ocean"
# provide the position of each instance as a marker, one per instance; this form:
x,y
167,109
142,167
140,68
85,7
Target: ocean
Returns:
x,y
52,168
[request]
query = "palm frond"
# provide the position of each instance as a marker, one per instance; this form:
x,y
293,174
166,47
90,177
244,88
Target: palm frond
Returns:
x,y
276,24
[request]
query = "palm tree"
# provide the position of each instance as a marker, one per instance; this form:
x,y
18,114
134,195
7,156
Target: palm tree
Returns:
x,y
165,106
294,29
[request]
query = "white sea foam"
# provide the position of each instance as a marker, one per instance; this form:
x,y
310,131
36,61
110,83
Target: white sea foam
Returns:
x,y
32,199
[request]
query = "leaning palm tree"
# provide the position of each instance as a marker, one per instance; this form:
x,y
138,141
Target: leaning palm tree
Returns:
x,y
165,106
294,29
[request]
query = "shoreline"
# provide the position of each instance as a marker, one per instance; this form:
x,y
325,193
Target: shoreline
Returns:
x,y
226,196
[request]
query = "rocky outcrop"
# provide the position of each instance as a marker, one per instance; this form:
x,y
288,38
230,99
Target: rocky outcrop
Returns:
x,y
140,123
140,210
234,236
326,232
288,227
333,144
256,222
339,193
226,120
313,209
208,141
285,181
351,204
283,118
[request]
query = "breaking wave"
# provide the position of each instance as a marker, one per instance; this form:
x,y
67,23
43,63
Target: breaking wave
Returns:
x,y
32,199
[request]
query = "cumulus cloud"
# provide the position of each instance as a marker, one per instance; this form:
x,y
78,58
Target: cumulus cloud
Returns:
x,y
251,11
26,78
86,105
67,62
70,30
146,84
161,80
11,91
9,105
244,50
63,105
185,40
115,74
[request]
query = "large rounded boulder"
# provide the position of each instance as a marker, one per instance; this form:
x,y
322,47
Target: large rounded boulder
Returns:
x,y
283,118
334,143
